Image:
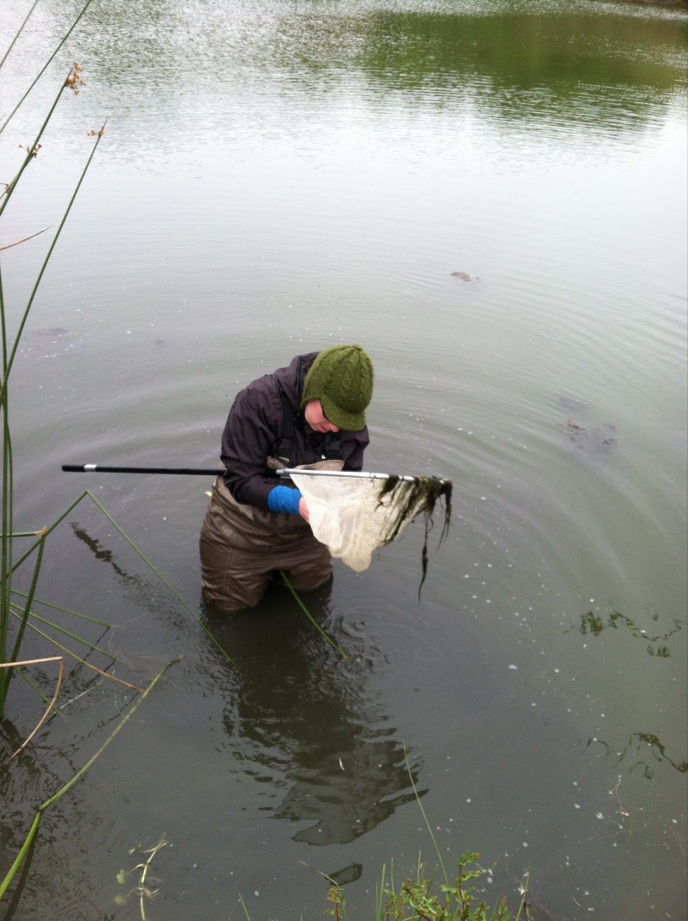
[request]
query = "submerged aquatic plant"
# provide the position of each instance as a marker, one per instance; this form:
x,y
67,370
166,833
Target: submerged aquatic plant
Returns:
x,y
145,888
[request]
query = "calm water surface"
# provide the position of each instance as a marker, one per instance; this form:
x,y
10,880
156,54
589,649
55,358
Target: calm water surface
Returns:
x,y
491,198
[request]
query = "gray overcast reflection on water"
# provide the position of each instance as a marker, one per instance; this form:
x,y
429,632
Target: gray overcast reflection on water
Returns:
x,y
491,199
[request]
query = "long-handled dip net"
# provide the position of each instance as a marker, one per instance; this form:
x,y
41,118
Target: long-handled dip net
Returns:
x,y
356,513
352,512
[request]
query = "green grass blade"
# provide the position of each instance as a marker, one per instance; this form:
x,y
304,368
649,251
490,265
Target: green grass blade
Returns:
x,y
310,616
19,32
48,531
425,819
20,330
57,607
34,617
78,658
139,553
29,601
21,856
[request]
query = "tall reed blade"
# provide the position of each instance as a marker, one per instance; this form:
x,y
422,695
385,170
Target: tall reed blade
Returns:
x,y
10,360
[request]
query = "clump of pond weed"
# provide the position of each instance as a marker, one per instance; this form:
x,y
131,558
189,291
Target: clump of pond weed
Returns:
x,y
410,497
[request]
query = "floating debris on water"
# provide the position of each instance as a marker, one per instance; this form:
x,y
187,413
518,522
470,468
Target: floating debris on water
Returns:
x,y
48,342
600,439
52,332
464,276
588,436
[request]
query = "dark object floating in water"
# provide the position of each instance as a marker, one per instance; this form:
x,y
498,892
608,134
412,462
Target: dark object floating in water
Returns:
x,y
591,438
53,332
600,439
48,342
464,276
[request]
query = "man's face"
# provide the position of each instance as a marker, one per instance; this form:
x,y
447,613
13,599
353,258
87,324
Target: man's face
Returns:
x,y
315,417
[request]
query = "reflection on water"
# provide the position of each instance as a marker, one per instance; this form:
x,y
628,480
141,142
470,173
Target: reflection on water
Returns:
x,y
305,723
238,61
146,591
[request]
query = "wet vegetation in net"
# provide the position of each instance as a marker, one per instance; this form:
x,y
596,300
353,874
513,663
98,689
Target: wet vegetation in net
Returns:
x,y
409,498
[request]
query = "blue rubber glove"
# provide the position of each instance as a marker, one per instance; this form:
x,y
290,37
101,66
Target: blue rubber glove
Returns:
x,y
284,499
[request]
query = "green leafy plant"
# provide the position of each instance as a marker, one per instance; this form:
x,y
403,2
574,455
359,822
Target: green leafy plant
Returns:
x,y
422,899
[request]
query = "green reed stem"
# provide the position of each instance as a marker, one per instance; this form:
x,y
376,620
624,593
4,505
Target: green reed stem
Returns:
x,y
6,548
39,278
310,616
64,649
7,567
379,895
6,674
7,513
21,856
57,607
425,818
29,600
6,498
31,151
139,553
47,531
19,32
6,882
36,618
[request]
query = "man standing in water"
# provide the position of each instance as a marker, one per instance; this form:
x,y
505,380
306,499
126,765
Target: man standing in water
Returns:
x,y
311,412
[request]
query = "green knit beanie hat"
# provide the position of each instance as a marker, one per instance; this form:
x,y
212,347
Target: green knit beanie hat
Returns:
x,y
341,377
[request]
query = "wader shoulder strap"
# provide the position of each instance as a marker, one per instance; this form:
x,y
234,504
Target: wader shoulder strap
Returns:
x,y
286,444
332,449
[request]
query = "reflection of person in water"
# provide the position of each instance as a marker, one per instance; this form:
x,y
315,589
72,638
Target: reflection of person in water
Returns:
x,y
306,720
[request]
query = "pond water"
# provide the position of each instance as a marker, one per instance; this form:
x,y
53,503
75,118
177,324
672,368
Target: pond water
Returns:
x,y
491,199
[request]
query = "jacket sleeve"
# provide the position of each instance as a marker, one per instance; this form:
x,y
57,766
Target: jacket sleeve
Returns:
x,y
247,440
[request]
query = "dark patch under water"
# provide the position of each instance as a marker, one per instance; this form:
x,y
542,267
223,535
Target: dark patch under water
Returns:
x,y
594,438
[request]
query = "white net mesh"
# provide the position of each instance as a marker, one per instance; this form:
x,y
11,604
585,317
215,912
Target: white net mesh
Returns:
x,y
354,515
